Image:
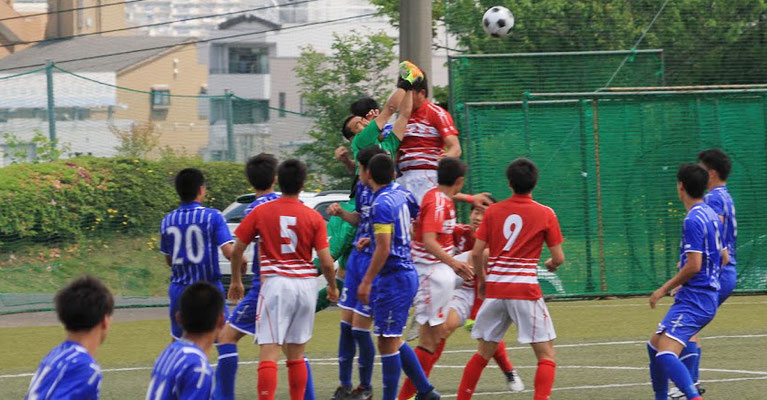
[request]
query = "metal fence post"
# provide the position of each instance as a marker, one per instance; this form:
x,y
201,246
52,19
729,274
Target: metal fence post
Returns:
x,y
600,224
51,104
229,113
586,200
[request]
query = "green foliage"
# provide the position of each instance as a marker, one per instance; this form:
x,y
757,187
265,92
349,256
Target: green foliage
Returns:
x,y
62,200
704,41
330,82
137,141
44,149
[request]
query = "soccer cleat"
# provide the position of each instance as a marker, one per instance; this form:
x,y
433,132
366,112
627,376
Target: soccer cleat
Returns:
x,y
410,72
342,393
701,389
469,324
413,330
514,381
432,394
362,393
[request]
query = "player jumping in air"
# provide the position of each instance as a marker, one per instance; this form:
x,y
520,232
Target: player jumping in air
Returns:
x,y
261,171
288,232
514,231
391,282
190,237
69,371
182,371
695,303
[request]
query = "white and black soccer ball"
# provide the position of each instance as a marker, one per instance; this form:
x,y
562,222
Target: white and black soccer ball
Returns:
x,y
498,21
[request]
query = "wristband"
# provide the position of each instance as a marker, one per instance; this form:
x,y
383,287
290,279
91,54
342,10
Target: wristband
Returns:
x,y
470,198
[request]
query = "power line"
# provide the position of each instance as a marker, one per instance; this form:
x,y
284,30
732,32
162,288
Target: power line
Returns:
x,y
190,42
68,10
157,23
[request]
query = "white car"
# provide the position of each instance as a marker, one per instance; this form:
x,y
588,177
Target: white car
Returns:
x,y
235,213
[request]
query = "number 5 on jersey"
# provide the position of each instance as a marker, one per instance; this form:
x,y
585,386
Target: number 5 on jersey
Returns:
x,y
286,222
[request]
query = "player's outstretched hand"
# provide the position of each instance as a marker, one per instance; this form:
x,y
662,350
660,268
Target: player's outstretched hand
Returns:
x,y
656,296
674,290
464,270
550,266
482,200
236,291
363,292
372,114
334,210
363,243
333,294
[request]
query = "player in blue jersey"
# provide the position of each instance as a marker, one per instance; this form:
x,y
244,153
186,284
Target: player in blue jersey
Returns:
x,y
190,237
391,282
69,371
182,371
718,166
695,303
355,316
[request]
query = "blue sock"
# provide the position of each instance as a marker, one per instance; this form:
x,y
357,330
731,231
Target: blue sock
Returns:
x,y
413,369
689,357
677,372
345,354
367,355
657,376
226,372
309,395
391,366
696,374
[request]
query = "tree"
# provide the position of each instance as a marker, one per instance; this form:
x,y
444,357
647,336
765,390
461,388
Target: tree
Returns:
x,y
137,141
330,82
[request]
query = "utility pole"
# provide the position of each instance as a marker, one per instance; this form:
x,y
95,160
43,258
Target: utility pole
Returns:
x,y
415,34
229,113
51,103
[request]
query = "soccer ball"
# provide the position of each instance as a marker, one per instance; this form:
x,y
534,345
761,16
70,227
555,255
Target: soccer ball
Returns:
x,y
498,21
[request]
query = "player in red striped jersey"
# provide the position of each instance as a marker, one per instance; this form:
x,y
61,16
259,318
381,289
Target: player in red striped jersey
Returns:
x,y
514,231
288,232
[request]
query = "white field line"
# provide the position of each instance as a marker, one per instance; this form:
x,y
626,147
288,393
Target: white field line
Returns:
x,y
608,386
555,305
318,361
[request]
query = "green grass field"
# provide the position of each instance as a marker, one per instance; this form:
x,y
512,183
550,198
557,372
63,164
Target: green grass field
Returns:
x,y
601,354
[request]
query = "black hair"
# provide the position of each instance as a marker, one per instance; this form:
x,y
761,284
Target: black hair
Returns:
x,y
449,170
188,183
492,201
718,161
362,106
291,176
423,84
83,304
261,170
200,307
381,168
694,179
522,175
345,131
364,155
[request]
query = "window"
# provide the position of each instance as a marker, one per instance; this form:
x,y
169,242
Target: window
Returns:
x,y
160,99
282,104
243,111
248,60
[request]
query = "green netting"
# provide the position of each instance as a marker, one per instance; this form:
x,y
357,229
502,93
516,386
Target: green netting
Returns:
x,y
611,178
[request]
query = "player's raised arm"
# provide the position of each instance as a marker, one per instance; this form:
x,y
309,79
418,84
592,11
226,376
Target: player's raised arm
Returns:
x,y
405,110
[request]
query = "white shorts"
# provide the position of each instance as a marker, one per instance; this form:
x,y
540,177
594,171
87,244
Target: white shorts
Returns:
x,y
286,310
531,317
418,182
462,302
436,283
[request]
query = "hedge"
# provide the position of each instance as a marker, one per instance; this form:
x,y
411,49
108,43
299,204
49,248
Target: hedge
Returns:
x,y
66,199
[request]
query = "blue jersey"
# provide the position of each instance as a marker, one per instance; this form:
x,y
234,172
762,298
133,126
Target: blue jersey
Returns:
x,y
362,203
254,260
720,201
181,372
191,236
392,211
701,234
67,372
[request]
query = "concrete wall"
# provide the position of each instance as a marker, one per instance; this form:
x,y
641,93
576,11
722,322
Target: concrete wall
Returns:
x,y
90,20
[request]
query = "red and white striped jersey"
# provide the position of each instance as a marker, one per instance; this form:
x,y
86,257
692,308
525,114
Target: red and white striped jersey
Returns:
x,y
515,230
424,143
463,238
437,215
287,230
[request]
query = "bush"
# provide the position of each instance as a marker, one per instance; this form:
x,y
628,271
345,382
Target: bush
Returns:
x,y
65,199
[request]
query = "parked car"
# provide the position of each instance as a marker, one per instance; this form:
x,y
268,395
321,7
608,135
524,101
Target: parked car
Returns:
x,y
235,213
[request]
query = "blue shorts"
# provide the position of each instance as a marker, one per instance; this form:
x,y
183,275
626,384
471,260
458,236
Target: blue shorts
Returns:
x,y
692,310
174,292
243,318
356,267
728,278
391,298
